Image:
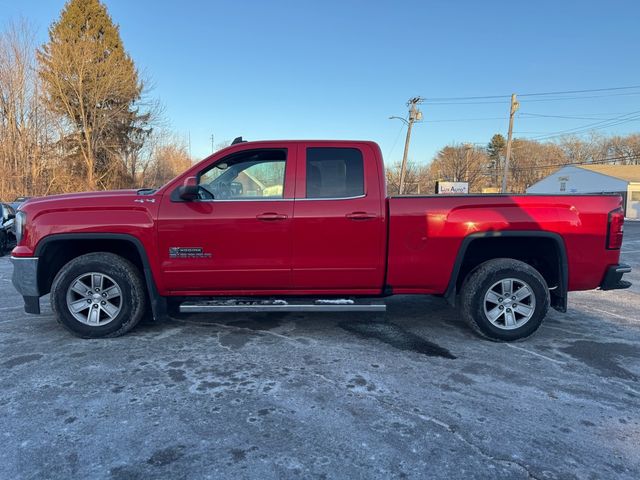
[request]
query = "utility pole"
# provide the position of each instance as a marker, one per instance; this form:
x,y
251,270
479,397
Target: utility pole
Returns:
x,y
213,149
514,108
467,155
414,115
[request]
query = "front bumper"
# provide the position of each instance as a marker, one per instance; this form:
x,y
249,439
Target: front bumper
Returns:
x,y
25,280
613,277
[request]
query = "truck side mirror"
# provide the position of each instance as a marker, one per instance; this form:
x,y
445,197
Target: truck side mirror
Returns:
x,y
189,189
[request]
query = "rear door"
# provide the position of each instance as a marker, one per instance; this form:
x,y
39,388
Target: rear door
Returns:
x,y
338,226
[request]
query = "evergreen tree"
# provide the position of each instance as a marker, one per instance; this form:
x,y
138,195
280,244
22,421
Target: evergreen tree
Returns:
x,y
91,81
496,147
495,150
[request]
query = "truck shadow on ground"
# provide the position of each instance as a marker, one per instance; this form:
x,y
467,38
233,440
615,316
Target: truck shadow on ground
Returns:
x,y
379,328
396,336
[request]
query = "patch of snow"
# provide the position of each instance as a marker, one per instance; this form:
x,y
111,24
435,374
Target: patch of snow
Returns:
x,y
337,301
280,302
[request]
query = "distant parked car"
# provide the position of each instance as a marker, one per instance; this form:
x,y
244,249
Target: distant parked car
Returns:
x,y
7,231
18,201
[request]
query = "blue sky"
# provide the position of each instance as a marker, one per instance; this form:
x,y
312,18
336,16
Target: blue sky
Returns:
x,y
339,69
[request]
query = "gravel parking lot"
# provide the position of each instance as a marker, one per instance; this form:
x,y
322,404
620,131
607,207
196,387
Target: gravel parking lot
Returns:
x,y
408,394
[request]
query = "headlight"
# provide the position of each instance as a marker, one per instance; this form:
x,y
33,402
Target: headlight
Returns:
x,y
18,224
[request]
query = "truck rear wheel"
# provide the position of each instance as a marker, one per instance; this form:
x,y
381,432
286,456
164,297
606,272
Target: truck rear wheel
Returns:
x,y
504,299
98,295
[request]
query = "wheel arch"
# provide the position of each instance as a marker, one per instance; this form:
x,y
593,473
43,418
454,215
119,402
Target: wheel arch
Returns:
x,y
54,251
556,269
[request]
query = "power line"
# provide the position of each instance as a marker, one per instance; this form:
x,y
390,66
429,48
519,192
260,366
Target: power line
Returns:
x,y
434,104
484,97
528,132
481,97
588,116
503,102
585,162
557,99
581,130
462,119
579,91
626,118
527,116
395,141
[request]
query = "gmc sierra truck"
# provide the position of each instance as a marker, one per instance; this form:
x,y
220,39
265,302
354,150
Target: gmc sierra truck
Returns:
x,y
308,226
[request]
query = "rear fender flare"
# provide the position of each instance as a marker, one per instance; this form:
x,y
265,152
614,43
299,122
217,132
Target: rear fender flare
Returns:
x,y
563,267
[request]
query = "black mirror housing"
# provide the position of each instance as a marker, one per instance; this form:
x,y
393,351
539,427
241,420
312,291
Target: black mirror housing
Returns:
x,y
189,189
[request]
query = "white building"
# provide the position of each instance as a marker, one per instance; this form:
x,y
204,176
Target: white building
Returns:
x,y
622,179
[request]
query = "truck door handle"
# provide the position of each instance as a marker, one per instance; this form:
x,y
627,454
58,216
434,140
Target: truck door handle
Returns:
x,y
360,216
270,216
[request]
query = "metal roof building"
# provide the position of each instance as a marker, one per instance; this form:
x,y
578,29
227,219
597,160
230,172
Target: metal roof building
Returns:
x,y
622,179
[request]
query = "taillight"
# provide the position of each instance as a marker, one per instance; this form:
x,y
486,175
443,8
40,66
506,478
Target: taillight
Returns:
x,y
615,229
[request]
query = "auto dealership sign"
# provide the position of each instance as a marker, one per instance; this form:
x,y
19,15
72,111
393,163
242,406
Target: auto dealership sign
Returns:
x,y
449,188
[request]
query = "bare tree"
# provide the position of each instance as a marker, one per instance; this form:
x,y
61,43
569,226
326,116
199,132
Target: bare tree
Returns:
x,y
626,150
578,150
168,157
462,163
26,134
531,161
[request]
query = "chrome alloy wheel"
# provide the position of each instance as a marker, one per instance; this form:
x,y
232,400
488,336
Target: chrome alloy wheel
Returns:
x,y
509,303
94,299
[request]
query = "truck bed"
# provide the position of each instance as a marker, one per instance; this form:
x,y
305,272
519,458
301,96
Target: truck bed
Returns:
x,y
426,234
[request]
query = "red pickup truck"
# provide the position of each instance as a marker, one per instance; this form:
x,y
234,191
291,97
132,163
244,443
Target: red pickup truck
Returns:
x,y
307,225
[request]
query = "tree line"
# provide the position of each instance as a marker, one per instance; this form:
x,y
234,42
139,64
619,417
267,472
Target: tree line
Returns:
x,y
75,113
482,166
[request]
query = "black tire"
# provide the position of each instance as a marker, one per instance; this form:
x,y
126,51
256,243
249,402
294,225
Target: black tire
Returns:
x,y
128,279
3,242
480,281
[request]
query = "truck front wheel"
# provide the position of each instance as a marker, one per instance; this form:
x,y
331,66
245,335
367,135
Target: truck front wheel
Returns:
x,y
504,299
98,295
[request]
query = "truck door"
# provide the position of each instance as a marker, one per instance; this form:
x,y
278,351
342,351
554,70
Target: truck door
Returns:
x,y
236,237
339,229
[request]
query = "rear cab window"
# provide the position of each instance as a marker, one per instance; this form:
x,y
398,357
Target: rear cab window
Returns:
x,y
334,173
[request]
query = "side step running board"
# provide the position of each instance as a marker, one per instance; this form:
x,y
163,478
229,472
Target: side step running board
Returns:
x,y
296,305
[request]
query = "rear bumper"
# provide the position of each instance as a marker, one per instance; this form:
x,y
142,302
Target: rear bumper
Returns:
x,y
25,280
613,278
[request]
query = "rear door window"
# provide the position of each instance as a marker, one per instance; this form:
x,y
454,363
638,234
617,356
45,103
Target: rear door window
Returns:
x,y
334,172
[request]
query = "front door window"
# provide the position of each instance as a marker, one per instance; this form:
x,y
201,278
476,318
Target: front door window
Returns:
x,y
253,175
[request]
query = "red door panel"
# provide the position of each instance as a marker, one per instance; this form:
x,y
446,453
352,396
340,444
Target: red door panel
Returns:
x,y
339,244
240,250
233,246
